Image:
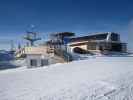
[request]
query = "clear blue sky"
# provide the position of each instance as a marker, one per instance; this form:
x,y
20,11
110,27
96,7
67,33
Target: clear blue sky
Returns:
x,y
79,16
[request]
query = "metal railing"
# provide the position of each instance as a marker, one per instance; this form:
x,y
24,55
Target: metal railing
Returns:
x,y
63,54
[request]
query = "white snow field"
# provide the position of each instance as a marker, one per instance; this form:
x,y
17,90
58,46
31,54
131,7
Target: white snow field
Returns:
x,y
98,78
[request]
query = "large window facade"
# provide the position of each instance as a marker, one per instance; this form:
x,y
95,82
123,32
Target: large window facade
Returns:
x,y
116,47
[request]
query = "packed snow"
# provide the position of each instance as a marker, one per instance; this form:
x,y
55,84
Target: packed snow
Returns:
x,y
98,78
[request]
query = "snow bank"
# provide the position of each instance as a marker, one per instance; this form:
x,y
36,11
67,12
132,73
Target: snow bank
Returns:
x,y
99,78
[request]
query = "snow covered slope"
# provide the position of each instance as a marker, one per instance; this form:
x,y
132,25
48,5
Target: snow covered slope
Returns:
x,y
100,78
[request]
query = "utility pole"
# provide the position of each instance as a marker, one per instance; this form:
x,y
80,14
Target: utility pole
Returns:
x,y
12,45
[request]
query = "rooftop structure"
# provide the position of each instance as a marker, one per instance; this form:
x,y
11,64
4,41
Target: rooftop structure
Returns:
x,y
103,36
58,38
98,43
63,34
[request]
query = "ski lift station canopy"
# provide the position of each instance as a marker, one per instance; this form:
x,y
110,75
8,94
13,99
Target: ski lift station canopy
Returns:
x,y
63,34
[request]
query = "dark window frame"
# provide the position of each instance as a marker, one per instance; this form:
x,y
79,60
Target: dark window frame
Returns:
x,y
33,62
44,62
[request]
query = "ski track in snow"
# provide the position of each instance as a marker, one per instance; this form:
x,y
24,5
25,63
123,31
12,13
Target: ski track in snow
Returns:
x,y
100,78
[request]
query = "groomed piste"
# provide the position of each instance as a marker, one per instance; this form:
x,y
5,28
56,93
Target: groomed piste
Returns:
x,y
98,78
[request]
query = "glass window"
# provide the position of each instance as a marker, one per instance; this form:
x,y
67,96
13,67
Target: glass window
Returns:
x,y
44,62
114,37
33,62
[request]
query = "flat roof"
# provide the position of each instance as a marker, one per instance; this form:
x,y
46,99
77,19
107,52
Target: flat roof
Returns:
x,y
63,34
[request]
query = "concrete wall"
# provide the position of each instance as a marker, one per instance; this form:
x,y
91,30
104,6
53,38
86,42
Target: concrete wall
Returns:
x,y
36,50
38,58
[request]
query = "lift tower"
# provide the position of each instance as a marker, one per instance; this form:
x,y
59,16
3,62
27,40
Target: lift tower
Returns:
x,y
31,36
